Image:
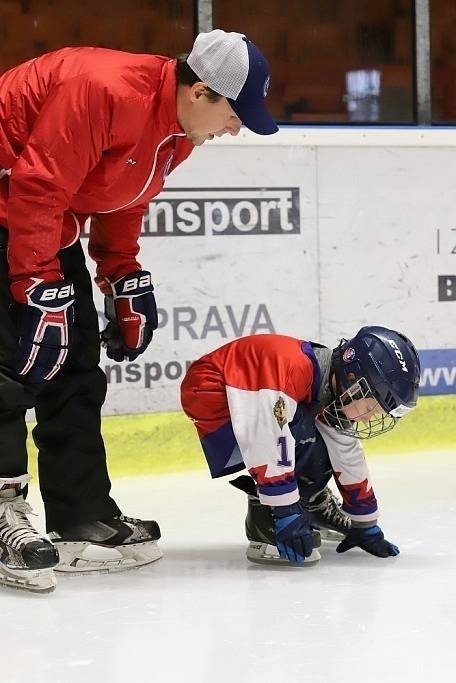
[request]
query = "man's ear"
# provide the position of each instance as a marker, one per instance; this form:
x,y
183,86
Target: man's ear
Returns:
x,y
197,90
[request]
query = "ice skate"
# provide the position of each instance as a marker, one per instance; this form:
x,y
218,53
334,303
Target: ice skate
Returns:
x,y
26,558
107,546
267,553
333,522
259,529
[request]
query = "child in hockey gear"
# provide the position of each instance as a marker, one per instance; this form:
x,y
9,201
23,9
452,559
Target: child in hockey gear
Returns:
x,y
111,545
294,413
27,559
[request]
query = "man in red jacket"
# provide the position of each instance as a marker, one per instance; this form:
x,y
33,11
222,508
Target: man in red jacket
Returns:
x,y
90,133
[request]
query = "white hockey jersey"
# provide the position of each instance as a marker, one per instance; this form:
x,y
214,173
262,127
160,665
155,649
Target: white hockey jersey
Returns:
x,y
243,397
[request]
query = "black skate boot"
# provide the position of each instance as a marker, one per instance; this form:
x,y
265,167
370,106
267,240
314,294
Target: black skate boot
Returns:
x,y
106,546
326,510
27,559
259,529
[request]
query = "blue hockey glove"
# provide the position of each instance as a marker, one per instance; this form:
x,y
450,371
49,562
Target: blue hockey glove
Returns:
x,y
132,316
45,330
370,539
293,532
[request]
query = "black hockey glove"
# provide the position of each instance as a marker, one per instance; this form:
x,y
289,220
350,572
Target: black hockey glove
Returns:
x,y
45,330
370,539
132,316
294,533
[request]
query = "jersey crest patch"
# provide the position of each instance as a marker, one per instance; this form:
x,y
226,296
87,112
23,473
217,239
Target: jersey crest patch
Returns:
x,y
280,412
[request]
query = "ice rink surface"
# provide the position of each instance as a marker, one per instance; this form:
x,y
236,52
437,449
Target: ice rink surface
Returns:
x,y
204,614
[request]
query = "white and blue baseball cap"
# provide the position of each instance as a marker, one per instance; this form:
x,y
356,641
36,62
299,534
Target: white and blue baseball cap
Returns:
x,y
234,67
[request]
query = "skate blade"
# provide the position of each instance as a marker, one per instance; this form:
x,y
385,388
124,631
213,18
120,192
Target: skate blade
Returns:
x,y
331,535
84,557
36,581
263,553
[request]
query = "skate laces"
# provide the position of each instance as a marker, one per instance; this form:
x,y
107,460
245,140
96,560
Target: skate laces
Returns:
x,y
330,509
128,520
15,528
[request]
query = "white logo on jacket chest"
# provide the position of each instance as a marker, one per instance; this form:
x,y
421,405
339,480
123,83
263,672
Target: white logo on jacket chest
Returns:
x,y
131,161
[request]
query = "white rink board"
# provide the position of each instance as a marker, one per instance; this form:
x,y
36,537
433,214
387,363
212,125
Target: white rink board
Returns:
x,y
379,213
373,228
213,287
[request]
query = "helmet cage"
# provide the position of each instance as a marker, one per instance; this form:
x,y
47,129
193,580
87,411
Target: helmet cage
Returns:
x,y
334,416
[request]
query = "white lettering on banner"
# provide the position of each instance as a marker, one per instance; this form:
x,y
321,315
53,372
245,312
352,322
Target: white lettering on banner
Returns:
x,y
187,212
250,212
447,287
219,209
398,353
233,211
432,376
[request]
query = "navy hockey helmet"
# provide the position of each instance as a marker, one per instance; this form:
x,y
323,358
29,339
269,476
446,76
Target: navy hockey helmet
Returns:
x,y
379,363
389,363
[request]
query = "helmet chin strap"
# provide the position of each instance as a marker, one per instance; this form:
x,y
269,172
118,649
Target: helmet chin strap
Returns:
x,y
335,385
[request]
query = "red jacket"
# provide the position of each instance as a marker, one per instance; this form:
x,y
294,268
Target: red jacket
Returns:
x,y
84,131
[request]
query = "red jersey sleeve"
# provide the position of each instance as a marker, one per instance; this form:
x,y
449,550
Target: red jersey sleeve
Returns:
x,y
113,244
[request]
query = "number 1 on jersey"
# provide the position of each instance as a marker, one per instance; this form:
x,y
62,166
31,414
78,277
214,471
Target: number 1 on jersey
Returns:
x,y
282,444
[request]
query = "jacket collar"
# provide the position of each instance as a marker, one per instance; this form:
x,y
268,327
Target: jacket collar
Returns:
x,y
168,100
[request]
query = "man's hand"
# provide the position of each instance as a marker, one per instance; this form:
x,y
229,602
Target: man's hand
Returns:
x,y
293,531
370,539
45,326
132,316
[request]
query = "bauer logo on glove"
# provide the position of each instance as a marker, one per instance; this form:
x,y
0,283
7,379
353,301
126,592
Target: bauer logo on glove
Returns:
x,y
142,282
45,330
132,316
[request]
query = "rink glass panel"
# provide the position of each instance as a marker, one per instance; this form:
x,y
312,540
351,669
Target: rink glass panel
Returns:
x,y
29,28
348,61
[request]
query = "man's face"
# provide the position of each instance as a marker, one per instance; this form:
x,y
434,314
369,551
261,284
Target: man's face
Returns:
x,y
202,119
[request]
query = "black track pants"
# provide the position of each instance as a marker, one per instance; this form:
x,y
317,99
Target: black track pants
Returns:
x,y
72,468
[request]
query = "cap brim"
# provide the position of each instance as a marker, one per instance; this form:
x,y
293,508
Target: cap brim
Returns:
x,y
256,118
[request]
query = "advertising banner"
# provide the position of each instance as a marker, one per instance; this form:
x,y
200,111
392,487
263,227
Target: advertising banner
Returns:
x,y
296,239
232,247
438,372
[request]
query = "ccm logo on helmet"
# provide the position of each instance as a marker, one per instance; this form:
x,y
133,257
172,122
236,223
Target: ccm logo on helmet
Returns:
x,y
52,293
399,355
